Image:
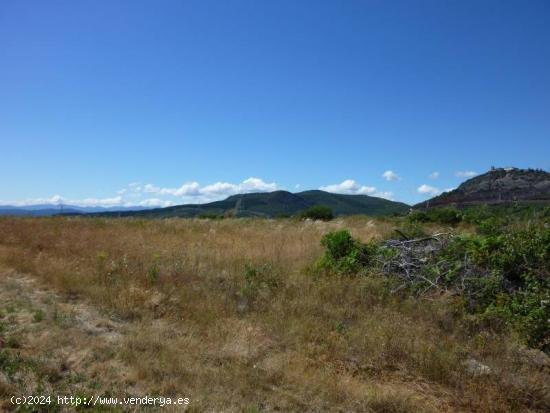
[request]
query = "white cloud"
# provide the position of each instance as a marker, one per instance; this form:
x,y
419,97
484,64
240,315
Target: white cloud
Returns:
x,y
187,189
54,200
390,176
297,186
428,190
155,202
190,192
118,201
97,202
135,187
194,191
385,195
59,200
450,189
465,174
220,188
257,185
351,187
434,175
150,188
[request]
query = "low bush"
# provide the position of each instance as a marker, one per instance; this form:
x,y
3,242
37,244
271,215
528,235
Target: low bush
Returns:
x,y
450,216
346,255
153,272
503,277
495,219
506,276
209,215
447,215
319,212
259,283
418,216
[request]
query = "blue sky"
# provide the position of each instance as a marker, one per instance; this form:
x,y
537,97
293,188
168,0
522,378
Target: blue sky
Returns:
x,y
189,100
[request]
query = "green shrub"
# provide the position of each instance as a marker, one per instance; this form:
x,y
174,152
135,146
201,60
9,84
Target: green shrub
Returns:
x,y
492,226
501,274
38,316
446,215
153,272
260,282
450,215
503,216
339,244
474,215
210,215
510,278
320,212
346,255
530,311
418,216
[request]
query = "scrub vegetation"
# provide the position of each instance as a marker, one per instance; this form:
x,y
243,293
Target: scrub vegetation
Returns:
x,y
261,315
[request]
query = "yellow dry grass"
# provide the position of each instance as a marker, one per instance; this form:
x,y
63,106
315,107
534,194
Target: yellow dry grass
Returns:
x,y
194,326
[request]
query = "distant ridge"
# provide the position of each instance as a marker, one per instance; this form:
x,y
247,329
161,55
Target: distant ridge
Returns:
x,y
495,187
43,210
273,204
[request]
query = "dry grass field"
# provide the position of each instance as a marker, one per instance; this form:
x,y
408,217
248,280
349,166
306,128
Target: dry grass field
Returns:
x,y
226,312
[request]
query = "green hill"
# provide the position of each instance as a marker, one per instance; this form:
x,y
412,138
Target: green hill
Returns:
x,y
273,204
354,204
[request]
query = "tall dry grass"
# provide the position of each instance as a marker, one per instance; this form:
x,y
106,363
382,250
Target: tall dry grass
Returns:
x,y
225,312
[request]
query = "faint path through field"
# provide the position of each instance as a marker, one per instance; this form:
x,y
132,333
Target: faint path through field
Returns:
x,y
52,344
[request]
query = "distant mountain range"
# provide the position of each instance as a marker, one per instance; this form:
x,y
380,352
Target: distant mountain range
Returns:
x,y
496,187
41,210
273,204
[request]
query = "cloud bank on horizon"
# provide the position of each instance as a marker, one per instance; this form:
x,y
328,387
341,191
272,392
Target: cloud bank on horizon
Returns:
x,y
148,195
